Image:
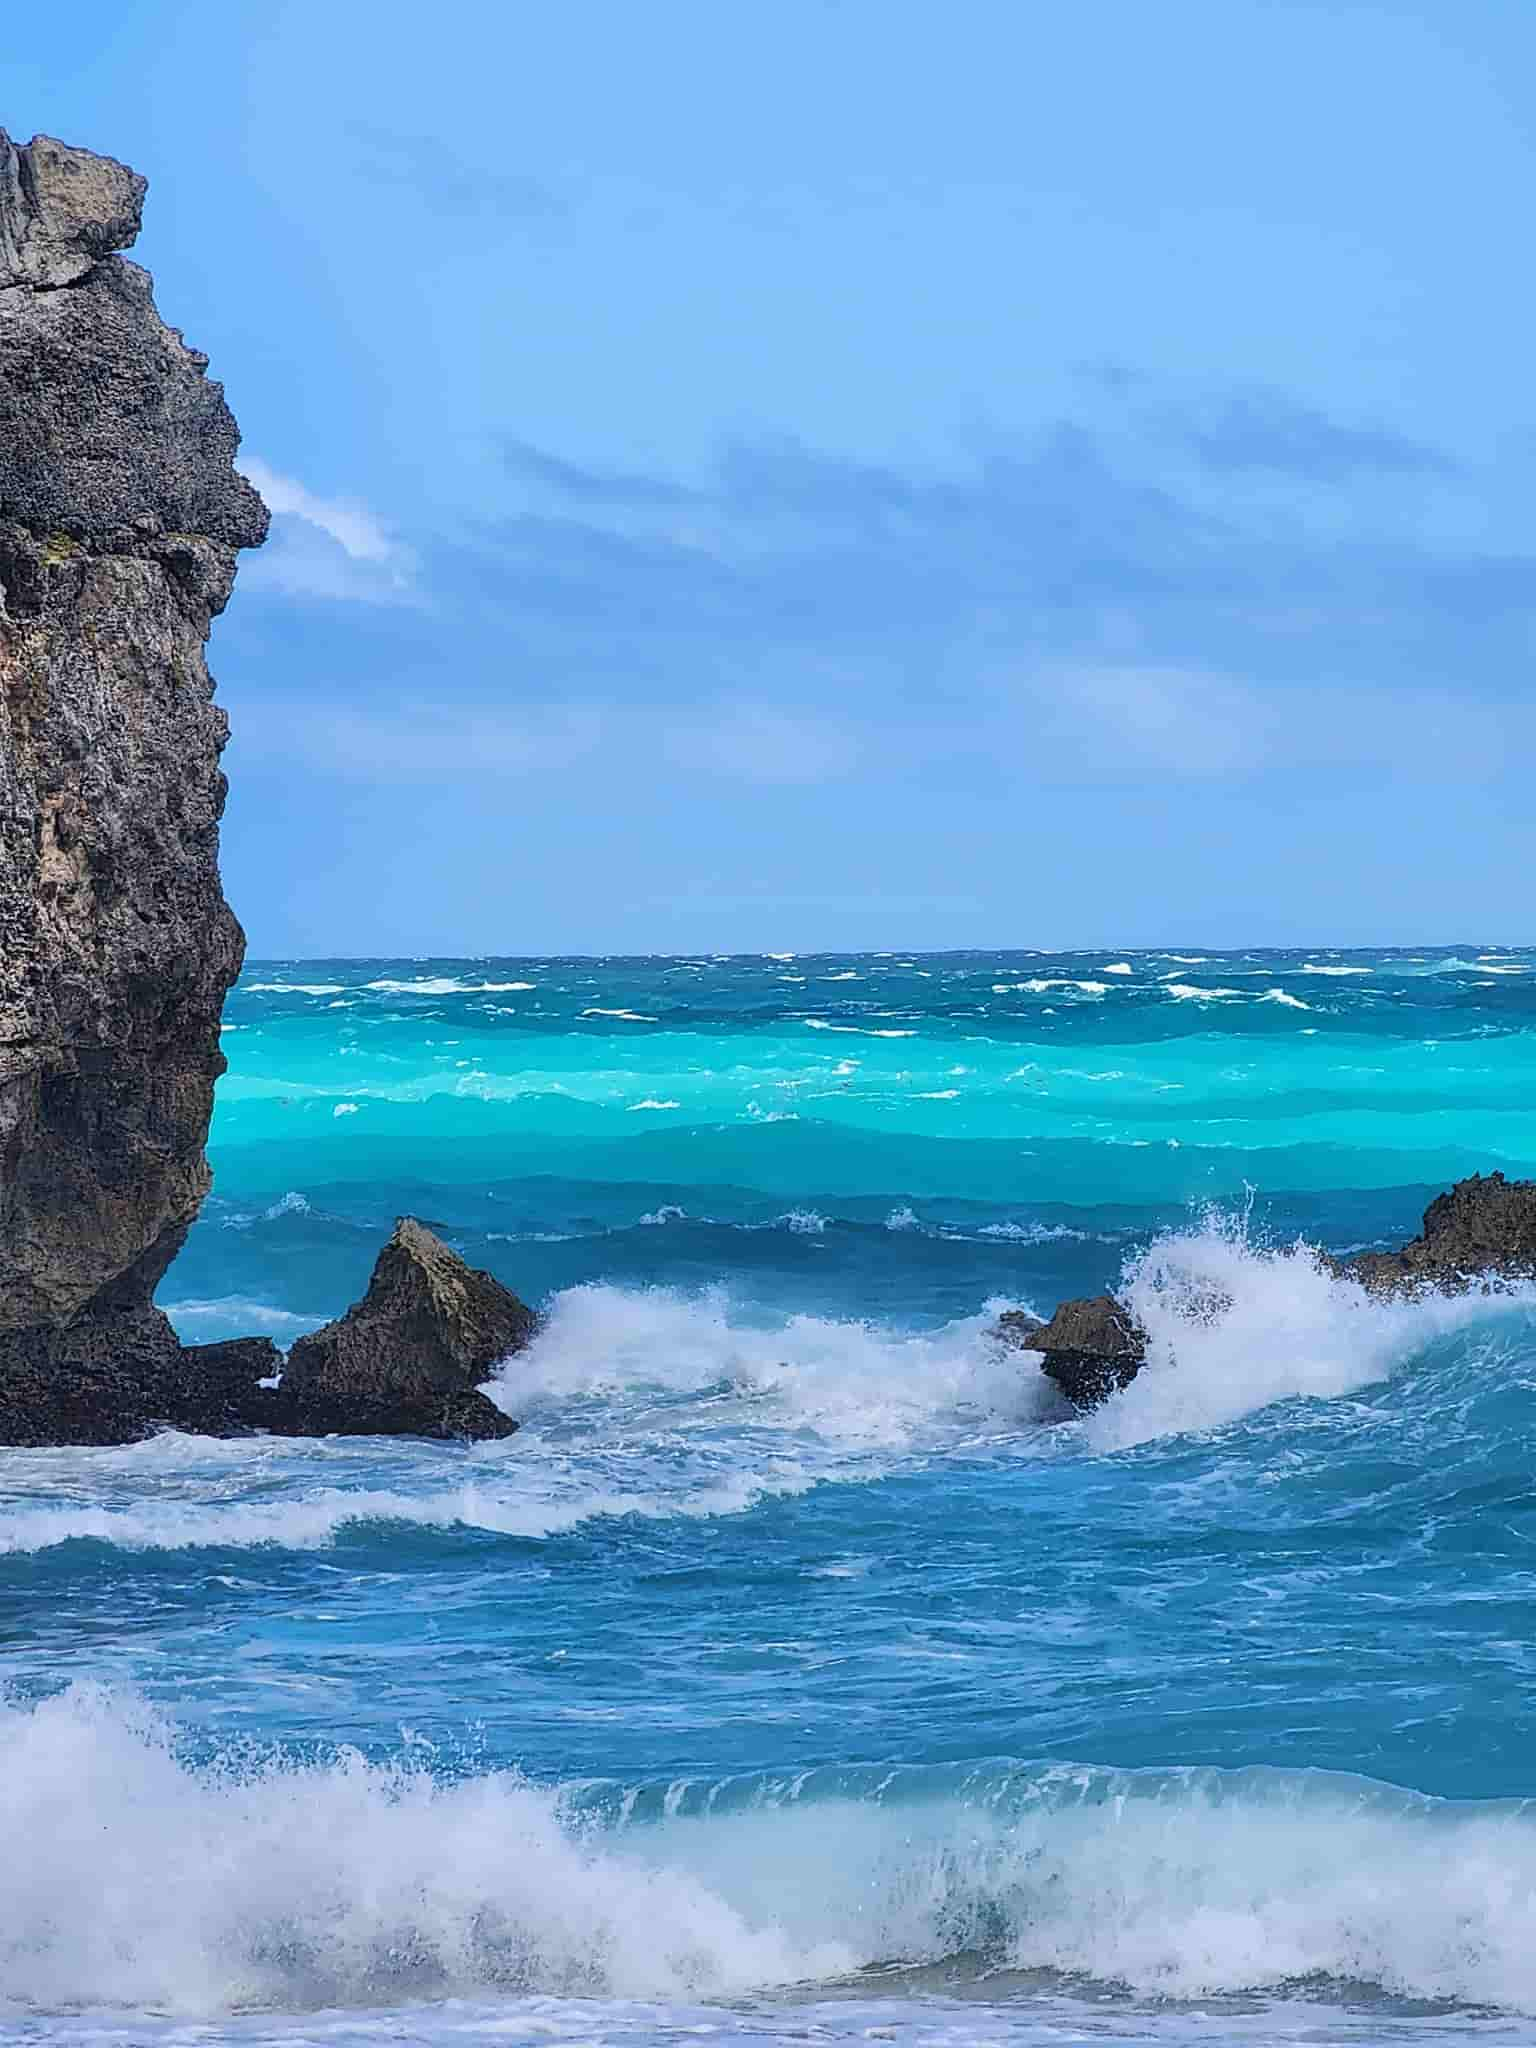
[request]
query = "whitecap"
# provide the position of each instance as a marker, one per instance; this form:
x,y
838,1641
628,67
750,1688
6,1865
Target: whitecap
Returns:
x,y
286,1885
292,988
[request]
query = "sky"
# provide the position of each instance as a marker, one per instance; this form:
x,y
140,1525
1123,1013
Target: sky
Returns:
x,y
852,474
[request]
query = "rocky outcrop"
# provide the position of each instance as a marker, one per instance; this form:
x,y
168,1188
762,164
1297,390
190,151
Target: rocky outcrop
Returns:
x,y
1482,1228
1090,1348
121,514
409,1358
120,518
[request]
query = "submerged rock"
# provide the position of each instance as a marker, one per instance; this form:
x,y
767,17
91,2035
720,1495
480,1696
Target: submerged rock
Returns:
x,y
409,1358
1090,1348
120,517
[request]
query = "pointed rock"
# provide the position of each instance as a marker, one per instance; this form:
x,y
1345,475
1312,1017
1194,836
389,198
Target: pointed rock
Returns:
x,y
409,1358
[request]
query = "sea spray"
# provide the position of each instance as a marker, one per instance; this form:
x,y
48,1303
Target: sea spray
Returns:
x,y
1233,1325
282,1882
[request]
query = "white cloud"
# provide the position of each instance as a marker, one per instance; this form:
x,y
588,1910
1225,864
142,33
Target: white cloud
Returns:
x,y
325,547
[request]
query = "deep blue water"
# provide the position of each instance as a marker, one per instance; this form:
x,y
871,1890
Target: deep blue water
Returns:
x,y
799,1671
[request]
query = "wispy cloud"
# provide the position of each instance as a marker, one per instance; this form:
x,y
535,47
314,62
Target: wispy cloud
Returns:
x,y
1265,430
588,486
325,547
1080,607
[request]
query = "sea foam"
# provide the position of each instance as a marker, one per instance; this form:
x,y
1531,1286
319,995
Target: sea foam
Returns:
x,y
344,1881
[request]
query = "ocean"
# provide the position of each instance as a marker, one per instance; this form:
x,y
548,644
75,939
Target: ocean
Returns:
x,y
799,1672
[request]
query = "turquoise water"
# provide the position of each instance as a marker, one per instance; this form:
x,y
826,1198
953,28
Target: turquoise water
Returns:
x,y
800,1671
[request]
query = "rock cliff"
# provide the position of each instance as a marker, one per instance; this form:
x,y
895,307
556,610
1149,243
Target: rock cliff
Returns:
x,y
120,517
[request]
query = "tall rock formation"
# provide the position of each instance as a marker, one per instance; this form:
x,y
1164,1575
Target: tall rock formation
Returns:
x,y
120,517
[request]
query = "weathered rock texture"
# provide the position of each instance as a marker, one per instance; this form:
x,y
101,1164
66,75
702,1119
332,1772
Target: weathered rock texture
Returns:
x,y
120,517
1484,1227
409,1358
1090,1348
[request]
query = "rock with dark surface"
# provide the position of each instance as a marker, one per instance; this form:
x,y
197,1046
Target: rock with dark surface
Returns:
x,y
409,1358
1090,1347
120,517
219,1388
1482,1228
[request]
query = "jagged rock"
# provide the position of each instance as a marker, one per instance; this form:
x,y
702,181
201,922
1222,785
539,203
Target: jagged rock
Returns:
x,y
409,1358
1017,1329
1482,1227
61,211
120,517
219,1387
105,1379
1090,1347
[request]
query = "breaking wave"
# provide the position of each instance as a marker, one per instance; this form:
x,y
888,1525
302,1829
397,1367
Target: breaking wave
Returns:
x,y
282,1884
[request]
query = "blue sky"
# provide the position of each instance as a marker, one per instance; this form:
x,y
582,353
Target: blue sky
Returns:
x,y
851,473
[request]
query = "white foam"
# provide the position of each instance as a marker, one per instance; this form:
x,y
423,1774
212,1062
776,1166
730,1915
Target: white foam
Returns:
x,y
654,1102
1278,995
1040,988
292,988
804,1222
148,1882
854,1385
237,1311
1233,1326
857,1030
1312,967
1033,1233
626,1016
635,1402
1118,967
1185,992
317,1519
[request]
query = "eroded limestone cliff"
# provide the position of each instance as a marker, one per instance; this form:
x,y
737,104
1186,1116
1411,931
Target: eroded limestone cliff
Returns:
x,y
120,517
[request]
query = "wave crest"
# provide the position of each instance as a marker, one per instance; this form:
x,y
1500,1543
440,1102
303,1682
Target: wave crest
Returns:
x,y
352,1882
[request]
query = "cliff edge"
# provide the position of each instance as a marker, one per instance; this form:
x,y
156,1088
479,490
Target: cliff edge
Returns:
x,y
120,518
